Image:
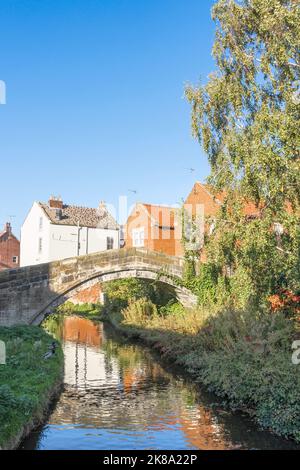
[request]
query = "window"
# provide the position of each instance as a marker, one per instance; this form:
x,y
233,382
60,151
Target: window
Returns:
x,y
15,259
109,243
138,237
40,248
41,223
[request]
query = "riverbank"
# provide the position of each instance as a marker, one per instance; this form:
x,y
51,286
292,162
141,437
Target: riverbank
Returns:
x,y
28,382
243,357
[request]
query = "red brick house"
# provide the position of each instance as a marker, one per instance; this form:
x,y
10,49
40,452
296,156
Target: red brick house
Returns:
x,y
9,249
154,227
159,228
201,195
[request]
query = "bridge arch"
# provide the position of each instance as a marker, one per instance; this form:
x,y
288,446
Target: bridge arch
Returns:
x,y
29,294
182,294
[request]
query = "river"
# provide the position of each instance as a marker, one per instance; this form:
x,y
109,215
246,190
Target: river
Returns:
x,y
120,395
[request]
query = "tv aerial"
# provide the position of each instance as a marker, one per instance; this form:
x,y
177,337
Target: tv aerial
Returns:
x,y
191,170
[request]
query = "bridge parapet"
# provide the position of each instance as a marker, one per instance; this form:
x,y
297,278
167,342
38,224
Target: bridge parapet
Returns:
x,y
27,294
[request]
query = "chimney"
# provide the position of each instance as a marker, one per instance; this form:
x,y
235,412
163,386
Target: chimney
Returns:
x,y
55,202
102,211
7,228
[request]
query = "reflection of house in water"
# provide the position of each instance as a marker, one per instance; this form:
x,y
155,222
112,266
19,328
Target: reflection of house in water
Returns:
x,y
83,331
85,362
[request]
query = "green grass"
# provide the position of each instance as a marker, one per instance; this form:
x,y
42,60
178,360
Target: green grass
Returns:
x,y
88,310
244,356
26,380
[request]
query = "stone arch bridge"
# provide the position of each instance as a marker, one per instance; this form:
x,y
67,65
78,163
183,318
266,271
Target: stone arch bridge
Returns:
x,y
29,294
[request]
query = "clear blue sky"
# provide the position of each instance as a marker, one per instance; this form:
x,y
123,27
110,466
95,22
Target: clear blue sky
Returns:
x,y
95,100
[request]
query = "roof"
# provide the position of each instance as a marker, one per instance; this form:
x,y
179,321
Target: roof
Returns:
x,y
5,232
85,216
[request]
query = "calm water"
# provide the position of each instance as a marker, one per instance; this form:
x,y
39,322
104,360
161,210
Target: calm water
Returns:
x,y
118,395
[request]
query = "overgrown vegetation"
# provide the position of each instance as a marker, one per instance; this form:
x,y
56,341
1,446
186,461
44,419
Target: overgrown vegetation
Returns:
x,y
27,380
122,292
243,356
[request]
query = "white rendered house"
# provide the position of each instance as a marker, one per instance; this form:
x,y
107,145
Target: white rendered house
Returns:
x,y
55,231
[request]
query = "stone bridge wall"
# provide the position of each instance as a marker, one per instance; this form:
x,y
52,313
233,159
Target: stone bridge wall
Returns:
x,y
28,294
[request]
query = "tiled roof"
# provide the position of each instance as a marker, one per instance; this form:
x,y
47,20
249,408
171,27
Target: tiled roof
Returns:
x,y
5,232
85,216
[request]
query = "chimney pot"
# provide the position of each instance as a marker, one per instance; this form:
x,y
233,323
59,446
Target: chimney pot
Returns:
x,y
7,227
55,202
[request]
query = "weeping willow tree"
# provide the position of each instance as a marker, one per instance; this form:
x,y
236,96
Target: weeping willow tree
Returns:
x,y
247,119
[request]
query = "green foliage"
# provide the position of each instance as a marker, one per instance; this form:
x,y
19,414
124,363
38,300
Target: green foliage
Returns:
x,y
204,284
120,293
27,380
89,309
247,119
172,308
247,116
139,311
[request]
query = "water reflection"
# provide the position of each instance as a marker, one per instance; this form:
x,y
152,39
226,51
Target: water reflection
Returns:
x,y
118,396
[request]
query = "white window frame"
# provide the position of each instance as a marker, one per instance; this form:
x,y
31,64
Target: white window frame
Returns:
x,y
138,237
41,223
15,259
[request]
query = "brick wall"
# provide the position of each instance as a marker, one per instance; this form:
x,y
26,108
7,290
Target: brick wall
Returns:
x,y
164,240
9,248
90,295
200,195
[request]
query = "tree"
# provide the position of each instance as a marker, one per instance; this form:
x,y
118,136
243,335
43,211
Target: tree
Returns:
x,y
247,119
247,116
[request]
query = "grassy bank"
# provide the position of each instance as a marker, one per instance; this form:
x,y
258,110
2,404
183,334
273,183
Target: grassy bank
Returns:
x,y
242,356
87,310
28,382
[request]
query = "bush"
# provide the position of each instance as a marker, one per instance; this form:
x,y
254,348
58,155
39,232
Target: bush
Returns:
x,y
139,311
119,294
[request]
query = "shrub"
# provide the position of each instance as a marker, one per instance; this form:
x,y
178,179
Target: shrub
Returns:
x,y
139,311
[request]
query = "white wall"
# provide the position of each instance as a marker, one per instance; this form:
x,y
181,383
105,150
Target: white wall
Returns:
x,y
31,232
64,240
59,241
